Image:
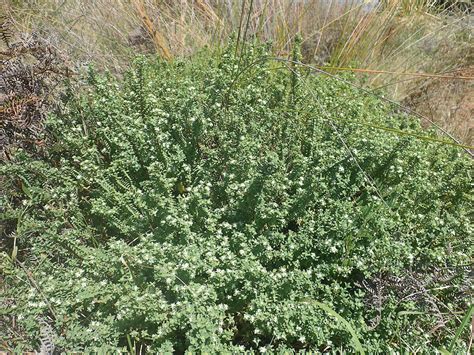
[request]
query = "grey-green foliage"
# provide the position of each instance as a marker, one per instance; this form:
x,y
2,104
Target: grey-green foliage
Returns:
x,y
204,204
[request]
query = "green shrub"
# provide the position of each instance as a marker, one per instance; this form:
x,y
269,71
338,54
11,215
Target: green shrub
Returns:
x,y
201,206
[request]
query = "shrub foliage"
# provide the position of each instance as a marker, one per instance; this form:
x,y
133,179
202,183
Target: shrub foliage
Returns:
x,y
225,203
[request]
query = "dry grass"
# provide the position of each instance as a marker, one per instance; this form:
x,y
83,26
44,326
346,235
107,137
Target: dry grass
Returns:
x,y
396,36
448,102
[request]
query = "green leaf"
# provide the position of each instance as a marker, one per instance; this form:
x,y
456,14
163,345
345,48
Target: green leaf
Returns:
x,y
26,190
464,322
357,344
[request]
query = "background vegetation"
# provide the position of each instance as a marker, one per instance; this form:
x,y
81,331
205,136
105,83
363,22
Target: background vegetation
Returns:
x,y
234,198
401,37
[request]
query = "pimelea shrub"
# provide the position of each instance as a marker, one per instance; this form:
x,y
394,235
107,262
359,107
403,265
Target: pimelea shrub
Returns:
x,y
229,203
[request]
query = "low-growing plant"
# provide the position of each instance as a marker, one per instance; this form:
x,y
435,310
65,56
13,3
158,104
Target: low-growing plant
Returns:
x,y
228,204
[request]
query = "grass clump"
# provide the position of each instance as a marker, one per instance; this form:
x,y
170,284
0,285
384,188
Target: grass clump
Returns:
x,y
226,203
